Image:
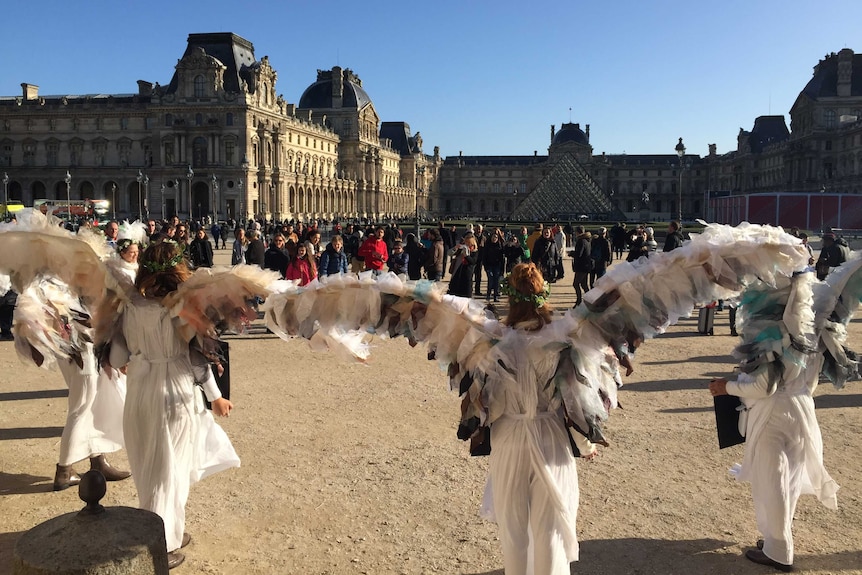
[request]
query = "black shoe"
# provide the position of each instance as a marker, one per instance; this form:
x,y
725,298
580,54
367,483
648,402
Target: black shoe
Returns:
x,y
734,333
759,557
759,544
7,336
175,559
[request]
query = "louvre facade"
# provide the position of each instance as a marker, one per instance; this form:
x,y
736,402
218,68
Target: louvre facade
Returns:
x,y
219,139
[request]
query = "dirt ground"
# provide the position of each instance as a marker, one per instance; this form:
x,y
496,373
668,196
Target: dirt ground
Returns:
x,y
356,468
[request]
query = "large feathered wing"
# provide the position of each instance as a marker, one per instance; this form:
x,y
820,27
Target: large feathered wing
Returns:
x,y
835,302
633,302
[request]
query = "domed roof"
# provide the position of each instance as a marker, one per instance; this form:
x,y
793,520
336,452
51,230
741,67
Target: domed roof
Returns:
x,y
332,83
570,133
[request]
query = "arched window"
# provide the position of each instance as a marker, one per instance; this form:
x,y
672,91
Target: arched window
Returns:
x,y
200,86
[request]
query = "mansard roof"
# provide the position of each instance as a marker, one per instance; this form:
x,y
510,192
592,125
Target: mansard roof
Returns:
x,y
824,83
399,134
235,52
767,130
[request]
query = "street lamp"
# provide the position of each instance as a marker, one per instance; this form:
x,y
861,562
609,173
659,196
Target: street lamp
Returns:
x,y
6,195
140,179
420,179
680,151
114,199
215,199
146,196
822,190
244,165
163,201
189,175
68,180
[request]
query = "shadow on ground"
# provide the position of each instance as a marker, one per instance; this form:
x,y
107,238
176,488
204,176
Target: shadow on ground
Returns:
x,y
23,483
42,394
30,433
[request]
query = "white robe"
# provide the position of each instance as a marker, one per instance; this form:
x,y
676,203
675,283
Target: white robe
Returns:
x,y
94,420
171,438
783,455
532,491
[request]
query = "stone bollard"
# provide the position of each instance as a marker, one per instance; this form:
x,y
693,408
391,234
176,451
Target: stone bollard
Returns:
x,y
94,541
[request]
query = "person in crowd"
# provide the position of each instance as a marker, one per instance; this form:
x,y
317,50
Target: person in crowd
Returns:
x,y
531,239
600,253
674,237
436,256
450,238
8,299
560,239
171,439
315,246
532,471
333,260
240,245
649,239
255,252
513,252
303,267
831,256
481,239
804,237
276,257
215,230
639,246
112,230
582,263
619,239
545,255
525,247
374,251
201,251
417,254
463,261
182,236
493,261
151,228
399,261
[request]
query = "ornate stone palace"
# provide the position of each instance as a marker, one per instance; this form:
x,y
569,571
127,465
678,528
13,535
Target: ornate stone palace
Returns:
x,y
218,140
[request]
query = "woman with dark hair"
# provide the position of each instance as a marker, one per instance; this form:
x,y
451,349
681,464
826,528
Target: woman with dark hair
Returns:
x,y
200,250
416,257
463,265
171,439
302,267
436,257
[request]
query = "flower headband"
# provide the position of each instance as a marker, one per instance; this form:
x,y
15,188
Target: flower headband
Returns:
x,y
124,244
155,267
537,299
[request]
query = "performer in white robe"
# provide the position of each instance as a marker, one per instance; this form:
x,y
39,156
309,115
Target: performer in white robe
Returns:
x,y
172,439
784,449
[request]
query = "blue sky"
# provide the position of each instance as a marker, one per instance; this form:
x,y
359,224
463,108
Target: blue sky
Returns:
x,y
482,77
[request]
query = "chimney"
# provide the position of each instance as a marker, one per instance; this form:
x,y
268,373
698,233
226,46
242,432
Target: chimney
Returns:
x,y
31,91
337,87
712,148
553,131
845,72
588,132
145,88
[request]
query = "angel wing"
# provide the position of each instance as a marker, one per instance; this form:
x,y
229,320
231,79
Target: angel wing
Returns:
x,y
835,302
633,302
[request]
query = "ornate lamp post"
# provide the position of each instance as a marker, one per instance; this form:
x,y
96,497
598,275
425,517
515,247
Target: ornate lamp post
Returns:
x,y
244,166
6,195
163,201
140,179
215,199
146,196
189,175
822,190
114,200
680,151
68,180
420,179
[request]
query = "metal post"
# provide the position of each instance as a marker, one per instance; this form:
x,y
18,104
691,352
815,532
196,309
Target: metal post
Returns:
x,y
822,190
215,199
6,195
139,179
680,150
68,180
163,201
189,175
114,200
146,196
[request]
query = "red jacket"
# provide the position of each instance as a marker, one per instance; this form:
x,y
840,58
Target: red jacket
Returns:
x,y
299,269
375,253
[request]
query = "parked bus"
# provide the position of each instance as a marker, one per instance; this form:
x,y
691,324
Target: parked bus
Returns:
x,y
88,209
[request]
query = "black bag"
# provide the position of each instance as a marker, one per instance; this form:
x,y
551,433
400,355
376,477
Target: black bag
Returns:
x,y
705,320
727,420
223,380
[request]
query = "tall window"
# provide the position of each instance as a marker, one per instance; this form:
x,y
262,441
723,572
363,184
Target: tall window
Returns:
x,y
829,118
229,152
53,149
169,120
29,154
199,152
200,86
199,120
229,119
496,189
481,187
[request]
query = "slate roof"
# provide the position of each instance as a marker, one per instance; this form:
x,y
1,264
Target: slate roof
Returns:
x,y
235,52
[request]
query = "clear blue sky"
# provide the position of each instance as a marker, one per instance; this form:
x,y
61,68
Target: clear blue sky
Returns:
x,y
482,77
